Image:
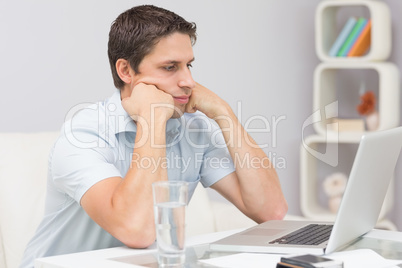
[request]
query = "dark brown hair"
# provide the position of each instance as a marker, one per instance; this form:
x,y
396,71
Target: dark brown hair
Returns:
x,y
136,31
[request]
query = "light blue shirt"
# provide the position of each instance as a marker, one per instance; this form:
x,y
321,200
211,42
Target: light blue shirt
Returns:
x,y
96,144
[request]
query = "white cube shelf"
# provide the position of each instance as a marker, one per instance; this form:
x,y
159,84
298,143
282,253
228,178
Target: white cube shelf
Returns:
x,y
326,31
325,92
309,182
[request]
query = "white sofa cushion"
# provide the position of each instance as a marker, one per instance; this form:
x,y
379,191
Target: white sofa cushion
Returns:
x,y
23,173
199,216
2,253
228,217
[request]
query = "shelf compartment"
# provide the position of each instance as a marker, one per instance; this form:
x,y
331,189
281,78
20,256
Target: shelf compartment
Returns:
x,y
327,31
326,92
313,171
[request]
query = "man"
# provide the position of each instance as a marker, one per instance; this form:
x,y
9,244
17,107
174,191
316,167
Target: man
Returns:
x,y
160,124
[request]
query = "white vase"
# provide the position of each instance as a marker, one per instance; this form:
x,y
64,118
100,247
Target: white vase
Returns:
x,y
372,121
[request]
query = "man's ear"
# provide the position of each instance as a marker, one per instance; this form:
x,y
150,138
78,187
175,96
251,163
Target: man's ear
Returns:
x,y
124,71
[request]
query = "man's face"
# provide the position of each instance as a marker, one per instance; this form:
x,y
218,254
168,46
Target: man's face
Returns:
x,y
168,68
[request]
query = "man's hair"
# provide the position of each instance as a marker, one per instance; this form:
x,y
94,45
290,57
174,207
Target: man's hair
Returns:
x,y
136,31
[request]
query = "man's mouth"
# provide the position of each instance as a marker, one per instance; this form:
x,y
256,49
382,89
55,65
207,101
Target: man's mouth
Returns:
x,y
182,99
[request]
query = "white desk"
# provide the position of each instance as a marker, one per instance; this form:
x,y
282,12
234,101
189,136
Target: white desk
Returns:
x,y
101,258
386,243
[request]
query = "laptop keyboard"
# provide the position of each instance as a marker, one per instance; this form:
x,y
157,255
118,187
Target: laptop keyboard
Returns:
x,y
312,234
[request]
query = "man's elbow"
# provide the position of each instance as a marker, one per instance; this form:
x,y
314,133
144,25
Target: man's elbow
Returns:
x,y
280,211
277,212
138,237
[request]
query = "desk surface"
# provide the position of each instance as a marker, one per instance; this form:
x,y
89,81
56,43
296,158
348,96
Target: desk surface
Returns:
x,y
386,243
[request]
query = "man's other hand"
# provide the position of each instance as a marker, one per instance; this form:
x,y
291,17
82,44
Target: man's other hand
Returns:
x,y
204,100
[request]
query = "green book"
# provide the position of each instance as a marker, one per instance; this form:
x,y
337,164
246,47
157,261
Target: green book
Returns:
x,y
343,51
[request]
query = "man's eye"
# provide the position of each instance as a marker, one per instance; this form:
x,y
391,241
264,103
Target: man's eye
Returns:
x,y
170,68
189,66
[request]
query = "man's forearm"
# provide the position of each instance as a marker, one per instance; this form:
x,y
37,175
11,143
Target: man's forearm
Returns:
x,y
133,197
259,184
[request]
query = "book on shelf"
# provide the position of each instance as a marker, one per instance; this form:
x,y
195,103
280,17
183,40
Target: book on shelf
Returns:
x,y
362,43
347,28
353,35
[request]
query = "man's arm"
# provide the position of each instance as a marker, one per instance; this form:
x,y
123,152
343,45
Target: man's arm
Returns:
x,y
255,189
124,207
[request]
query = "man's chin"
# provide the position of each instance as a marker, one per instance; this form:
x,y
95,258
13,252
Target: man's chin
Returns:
x,y
177,114
178,111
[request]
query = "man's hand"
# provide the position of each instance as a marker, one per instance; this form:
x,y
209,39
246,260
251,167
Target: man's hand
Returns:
x,y
144,98
204,100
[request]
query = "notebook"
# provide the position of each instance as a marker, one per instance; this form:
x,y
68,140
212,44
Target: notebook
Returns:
x,y
371,173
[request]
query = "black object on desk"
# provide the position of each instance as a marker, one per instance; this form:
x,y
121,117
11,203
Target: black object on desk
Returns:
x,y
308,261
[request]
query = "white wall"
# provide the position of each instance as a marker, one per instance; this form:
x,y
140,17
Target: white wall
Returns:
x,y
259,54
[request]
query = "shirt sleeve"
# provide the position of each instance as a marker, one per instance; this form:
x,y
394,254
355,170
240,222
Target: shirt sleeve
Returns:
x,y
217,162
76,163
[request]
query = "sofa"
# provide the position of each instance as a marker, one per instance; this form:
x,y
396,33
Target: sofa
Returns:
x,y
23,174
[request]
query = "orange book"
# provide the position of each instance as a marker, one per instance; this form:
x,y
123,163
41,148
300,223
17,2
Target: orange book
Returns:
x,y
362,43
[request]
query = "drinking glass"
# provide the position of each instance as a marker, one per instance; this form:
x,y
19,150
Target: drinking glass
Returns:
x,y
170,201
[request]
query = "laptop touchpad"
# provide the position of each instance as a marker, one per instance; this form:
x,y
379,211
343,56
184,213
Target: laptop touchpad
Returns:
x,y
263,232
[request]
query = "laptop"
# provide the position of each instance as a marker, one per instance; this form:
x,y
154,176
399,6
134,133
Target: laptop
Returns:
x,y
370,176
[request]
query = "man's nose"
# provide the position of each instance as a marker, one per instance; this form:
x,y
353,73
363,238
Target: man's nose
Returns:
x,y
186,80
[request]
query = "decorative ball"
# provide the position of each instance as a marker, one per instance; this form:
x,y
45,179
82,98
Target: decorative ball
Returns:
x,y
335,184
